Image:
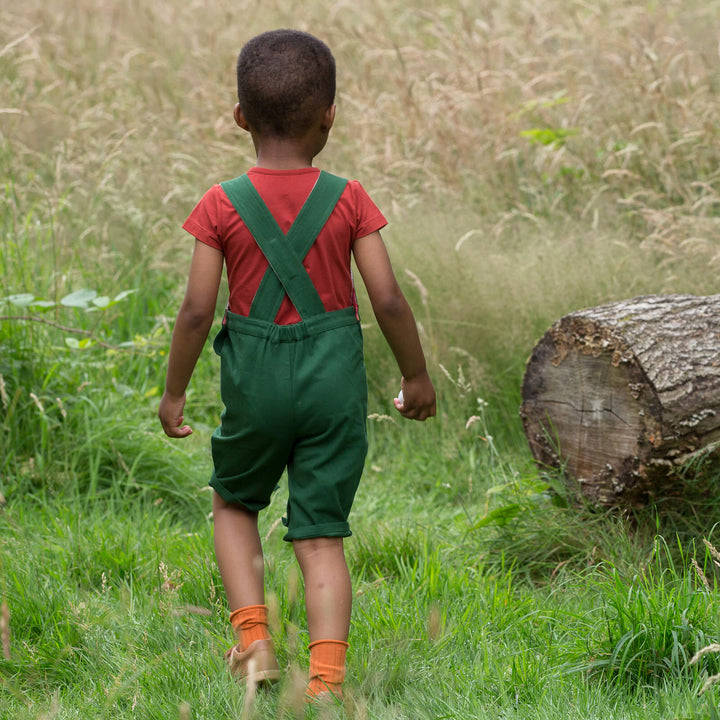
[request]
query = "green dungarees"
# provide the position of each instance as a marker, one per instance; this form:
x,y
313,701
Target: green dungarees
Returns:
x,y
295,395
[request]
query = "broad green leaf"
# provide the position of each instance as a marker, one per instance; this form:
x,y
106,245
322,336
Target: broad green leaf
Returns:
x,y
42,304
76,344
79,298
21,299
500,516
123,295
102,302
548,136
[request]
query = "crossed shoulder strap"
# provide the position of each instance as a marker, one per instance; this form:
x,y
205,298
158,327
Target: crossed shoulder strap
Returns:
x,y
285,253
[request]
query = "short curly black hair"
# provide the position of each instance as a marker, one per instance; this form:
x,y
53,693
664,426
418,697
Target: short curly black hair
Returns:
x,y
284,78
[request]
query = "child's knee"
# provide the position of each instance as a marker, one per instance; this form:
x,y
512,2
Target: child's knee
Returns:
x,y
319,548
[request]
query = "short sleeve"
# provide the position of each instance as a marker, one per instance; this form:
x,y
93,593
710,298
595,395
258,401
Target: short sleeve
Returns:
x,y
368,218
203,222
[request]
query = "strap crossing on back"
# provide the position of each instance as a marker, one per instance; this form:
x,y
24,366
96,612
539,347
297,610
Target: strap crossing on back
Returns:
x,y
285,253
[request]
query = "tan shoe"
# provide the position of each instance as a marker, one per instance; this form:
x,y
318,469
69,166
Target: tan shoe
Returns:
x,y
257,665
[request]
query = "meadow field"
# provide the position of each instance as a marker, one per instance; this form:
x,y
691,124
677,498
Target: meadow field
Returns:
x,y
532,158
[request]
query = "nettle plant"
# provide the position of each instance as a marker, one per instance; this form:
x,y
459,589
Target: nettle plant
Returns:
x,y
26,307
72,372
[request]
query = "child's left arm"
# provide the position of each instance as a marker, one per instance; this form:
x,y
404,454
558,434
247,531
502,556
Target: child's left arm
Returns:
x,y
191,330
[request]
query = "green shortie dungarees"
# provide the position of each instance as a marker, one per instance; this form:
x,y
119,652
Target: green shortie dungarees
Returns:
x,y
295,395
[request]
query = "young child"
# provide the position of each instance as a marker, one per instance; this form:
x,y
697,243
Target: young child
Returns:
x,y
292,372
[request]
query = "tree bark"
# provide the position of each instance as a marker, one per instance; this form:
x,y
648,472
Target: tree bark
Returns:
x,y
620,396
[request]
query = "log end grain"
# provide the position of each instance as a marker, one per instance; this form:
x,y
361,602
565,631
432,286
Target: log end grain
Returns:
x,y
614,398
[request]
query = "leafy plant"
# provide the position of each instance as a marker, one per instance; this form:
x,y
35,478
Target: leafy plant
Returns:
x,y
86,300
548,136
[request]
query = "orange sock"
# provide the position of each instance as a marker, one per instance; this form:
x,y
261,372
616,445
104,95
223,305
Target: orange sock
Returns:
x,y
327,667
250,624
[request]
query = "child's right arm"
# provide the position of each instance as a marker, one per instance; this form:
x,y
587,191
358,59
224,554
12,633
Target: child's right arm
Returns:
x,y
397,323
192,326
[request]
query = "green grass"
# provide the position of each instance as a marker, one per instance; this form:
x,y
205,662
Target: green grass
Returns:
x,y
470,601
532,159
119,608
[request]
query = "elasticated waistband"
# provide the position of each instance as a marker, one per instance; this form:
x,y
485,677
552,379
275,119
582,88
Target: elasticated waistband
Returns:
x,y
290,333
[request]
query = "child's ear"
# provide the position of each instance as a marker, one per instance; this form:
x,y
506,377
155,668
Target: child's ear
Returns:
x,y
328,118
240,118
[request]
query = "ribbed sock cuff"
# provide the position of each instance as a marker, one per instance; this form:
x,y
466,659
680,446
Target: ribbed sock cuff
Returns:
x,y
250,624
327,661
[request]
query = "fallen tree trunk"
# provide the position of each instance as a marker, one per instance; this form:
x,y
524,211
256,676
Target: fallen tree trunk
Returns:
x,y
619,396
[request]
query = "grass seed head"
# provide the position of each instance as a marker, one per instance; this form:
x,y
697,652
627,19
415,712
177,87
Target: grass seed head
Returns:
x,y
5,629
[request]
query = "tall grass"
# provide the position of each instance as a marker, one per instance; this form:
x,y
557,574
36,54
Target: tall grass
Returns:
x,y
526,116
532,158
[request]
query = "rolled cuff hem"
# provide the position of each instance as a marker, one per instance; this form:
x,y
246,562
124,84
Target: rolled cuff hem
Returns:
x,y
222,491
336,529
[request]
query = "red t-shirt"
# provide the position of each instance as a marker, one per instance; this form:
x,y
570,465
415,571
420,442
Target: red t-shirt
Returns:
x,y
215,222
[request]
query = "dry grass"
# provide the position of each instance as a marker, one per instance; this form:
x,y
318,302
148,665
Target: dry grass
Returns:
x,y
533,157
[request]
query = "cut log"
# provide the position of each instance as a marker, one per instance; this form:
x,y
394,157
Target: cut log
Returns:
x,y
619,396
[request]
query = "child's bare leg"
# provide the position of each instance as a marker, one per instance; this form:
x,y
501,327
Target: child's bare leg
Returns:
x,y
240,559
328,599
239,554
328,590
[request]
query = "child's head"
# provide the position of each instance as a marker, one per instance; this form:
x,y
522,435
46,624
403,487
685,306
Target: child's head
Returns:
x,y
285,78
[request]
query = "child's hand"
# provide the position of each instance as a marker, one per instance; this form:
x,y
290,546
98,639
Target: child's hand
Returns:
x,y
171,416
418,401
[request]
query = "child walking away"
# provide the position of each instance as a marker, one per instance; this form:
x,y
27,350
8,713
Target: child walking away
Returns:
x,y
292,371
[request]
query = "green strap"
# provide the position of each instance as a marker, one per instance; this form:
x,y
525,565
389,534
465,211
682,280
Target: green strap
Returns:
x,y
285,253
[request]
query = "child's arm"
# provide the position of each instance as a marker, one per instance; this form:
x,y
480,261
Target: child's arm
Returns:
x,y
191,330
398,326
